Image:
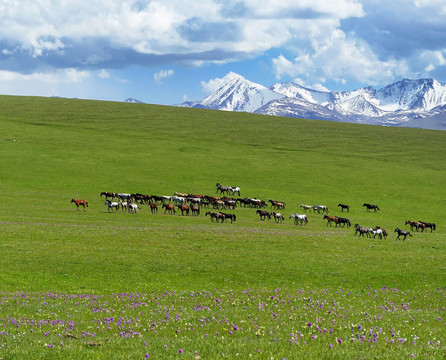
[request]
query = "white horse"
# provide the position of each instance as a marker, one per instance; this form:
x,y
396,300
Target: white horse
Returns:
x,y
378,232
302,218
235,189
123,196
112,205
133,208
306,207
178,199
320,208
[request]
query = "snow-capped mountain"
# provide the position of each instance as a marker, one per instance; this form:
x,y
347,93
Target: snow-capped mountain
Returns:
x,y
239,94
408,101
133,101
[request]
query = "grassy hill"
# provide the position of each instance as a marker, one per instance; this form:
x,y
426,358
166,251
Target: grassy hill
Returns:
x,y
53,150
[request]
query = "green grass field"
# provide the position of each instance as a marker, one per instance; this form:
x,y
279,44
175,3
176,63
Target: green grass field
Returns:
x,y
94,284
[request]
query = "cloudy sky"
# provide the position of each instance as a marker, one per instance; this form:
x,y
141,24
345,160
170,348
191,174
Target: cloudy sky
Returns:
x,y
170,51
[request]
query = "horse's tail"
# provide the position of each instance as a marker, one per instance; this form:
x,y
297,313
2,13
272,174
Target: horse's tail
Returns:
x,y
86,203
235,217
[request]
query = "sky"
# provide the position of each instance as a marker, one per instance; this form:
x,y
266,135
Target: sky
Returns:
x,y
170,51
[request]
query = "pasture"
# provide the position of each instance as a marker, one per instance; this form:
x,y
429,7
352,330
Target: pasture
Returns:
x,y
100,284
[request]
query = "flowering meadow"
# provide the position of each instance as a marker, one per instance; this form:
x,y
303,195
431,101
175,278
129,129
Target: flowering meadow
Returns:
x,y
253,323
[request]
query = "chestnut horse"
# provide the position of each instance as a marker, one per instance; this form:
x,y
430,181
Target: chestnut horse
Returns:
x,y
80,202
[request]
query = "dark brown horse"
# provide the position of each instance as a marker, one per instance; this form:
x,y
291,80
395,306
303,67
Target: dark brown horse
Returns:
x,y
402,233
331,219
153,207
108,194
80,202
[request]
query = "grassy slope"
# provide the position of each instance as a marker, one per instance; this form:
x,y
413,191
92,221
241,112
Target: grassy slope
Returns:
x,y
73,148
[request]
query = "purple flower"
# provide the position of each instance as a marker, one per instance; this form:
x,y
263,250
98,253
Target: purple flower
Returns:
x,y
339,341
147,356
180,351
310,324
330,346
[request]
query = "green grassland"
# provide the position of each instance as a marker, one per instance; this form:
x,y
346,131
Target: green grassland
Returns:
x,y
53,150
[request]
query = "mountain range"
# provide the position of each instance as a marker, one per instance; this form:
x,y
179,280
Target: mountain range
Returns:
x,y
410,103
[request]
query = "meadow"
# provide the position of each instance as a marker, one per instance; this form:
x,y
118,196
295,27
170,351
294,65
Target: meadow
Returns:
x,y
95,284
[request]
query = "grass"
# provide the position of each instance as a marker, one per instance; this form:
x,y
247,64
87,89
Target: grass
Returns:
x,y
60,265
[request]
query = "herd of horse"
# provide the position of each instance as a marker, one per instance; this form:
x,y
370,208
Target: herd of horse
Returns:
x,y
192,204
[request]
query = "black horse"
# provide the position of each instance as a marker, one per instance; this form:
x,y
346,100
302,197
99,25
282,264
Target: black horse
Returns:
x,y
371,207
232,217
343,221
342,206
263,214
431,226
402,233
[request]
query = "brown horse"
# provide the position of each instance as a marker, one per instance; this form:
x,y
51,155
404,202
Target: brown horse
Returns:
x,y
415,224
195,209
169,208
80,202
153,207
331,219
184,209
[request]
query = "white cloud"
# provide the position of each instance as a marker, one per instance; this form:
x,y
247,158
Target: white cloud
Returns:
x,y
104,74
60,76
159,76
214,84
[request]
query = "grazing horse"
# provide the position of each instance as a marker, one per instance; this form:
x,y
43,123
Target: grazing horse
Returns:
x,y
431,226
278,217
306,207
112,205
343,206
184,209
402,233
302,218
153,207
169,208
331,219
80,202
361,230
371,207
108,194
263,214
343,221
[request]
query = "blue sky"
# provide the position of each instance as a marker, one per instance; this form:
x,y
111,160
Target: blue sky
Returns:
x,y
170,51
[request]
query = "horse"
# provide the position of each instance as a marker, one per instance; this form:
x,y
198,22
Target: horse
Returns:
x,y
415,224
195,209
361,230
306,207
370,207
216,216
229,216
184,209
342,206
331,219
302,218
278,217
124,197
80,202
402,233
108,194
377,231
222,188
343,221
112,205
263,214
277,204
153,207
431,226
320,208
169,208
132,207
235,189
